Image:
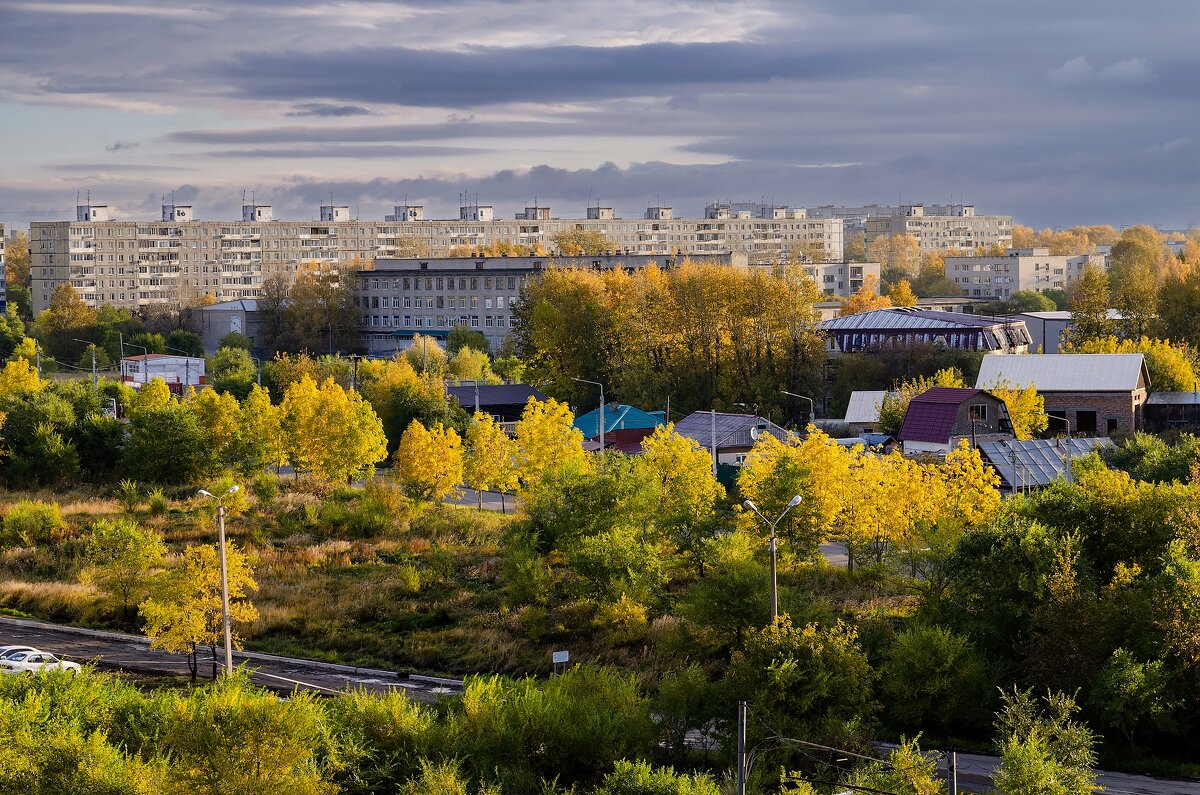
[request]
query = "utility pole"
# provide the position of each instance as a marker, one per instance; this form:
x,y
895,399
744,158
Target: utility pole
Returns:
x,y
712,439
600,423
953,771
37,353
741,748
95,380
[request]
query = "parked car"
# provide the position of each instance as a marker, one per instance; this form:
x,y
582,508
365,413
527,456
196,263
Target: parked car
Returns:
x,y
5,651
35,662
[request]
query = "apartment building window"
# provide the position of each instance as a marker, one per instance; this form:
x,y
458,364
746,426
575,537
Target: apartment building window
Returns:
x,y
407,303
474,302
487,303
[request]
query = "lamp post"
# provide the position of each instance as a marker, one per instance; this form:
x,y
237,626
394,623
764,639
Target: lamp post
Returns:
x,y
602,421
187,364
1070,448
224,573
258,368
812,408
92,345
145,362
774,546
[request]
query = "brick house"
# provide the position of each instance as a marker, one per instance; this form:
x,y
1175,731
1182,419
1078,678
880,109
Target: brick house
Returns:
x,y
1099,393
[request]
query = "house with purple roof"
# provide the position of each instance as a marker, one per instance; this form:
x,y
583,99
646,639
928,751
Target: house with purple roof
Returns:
x,y
940,417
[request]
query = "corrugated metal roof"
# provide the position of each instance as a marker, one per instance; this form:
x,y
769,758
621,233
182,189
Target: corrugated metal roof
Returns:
x,y
1065,372
1038,461
1174,399
931,414
244,304
733,430
494,394
617,415
911,318
864,406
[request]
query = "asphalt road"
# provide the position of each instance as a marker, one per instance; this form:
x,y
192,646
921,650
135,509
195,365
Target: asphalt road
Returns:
x,y
975,775
118,651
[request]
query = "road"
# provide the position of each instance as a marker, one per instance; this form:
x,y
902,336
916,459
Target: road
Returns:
x,y
123,652
975,775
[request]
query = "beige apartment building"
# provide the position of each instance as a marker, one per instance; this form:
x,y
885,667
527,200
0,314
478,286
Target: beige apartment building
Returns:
x,y
959,228
3,275
1029,269
179,259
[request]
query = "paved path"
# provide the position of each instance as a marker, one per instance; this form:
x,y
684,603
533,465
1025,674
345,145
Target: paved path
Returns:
x,y
119,651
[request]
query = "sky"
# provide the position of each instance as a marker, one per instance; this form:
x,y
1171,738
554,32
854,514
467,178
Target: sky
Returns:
x,y
1058,113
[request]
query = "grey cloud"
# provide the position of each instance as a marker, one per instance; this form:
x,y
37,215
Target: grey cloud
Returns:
x,y
305,152
1129,72
379,133
119,146
328,109
1074,72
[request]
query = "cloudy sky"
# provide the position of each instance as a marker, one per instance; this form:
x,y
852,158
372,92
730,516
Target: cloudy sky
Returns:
x,y
1061,112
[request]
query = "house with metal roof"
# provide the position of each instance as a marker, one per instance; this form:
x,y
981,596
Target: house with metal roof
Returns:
x,y
1097,394
897,327
618,416
862,412
731,435
1034,463
505,402
940,417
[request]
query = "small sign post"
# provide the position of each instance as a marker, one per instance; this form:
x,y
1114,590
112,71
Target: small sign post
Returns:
x,y
560,659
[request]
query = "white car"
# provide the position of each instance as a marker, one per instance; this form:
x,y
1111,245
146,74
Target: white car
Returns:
x,y
35,662
7,650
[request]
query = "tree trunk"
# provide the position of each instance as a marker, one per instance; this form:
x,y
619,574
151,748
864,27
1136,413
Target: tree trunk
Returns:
x,y
193,662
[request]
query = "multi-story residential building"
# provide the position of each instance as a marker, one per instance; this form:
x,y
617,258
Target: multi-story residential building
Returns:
x,y
1030,269
430,296
3,275
854,219
179,259
841,279
961,228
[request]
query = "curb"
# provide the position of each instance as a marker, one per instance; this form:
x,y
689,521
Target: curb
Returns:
x,y
245,655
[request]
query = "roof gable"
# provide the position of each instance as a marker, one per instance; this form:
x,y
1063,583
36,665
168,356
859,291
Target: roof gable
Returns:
x,y
1066,372
932,414
733,430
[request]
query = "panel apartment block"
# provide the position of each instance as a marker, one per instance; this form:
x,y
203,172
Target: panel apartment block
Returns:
x,y
1028,269
960,228
179,259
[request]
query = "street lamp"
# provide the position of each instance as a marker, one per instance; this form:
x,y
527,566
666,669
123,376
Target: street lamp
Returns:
x,y
602,421
224,573
1070,447
774,580
258,368
145,362
812,409
92,345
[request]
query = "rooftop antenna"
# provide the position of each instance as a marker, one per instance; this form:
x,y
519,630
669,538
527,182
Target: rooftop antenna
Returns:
x,y
243,197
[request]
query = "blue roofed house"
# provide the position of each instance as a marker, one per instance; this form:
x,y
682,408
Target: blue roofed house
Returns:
x,y
624,426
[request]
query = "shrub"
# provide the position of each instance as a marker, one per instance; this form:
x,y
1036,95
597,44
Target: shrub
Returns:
x,y
33,522
623,621
934,678
638,778
157,503
265,487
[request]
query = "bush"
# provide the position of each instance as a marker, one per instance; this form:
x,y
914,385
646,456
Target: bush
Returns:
x,y
934,679
33,522
157,503
265,487
638,778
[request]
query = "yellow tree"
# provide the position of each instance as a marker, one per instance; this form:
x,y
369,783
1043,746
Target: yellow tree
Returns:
x,y
219,415
899,252
546,439
489,462
348,437
972,487
19,376
470,363
687,490
901,294
153,395
261,441
1026,408
299,411
429,463
186,614
865,299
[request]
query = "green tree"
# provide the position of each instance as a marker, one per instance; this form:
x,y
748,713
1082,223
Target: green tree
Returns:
x,y
231,370
811,681
639,778
688,491
121,556
907,771
466,337
167,445
1043,749
1130,694
186,341
186,611
260,437
577,242
934,679
236,339
733,595
1089,304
